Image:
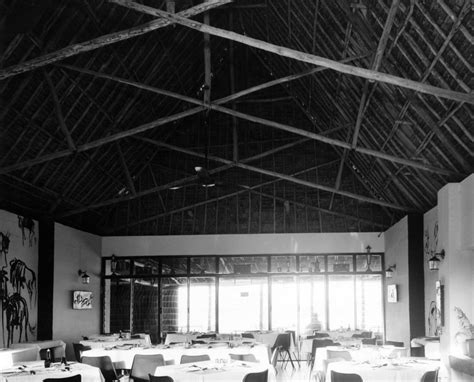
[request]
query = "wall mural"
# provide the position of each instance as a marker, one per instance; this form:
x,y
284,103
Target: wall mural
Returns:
x,y
18,289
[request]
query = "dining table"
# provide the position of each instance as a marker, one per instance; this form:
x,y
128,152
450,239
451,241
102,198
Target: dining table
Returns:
x,y
122,356
407,369
34,371
8,357
214,371
111,342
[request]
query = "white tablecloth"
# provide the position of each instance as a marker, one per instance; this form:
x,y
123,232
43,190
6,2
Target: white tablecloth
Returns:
x,y
123,358
266,338
94,344
231,372
431,344
179,338
9,356
88,373
403,370
58,347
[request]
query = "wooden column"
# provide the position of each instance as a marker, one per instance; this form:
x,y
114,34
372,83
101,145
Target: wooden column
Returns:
x,y
45,278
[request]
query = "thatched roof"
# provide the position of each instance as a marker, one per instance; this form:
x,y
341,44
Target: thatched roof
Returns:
x,y
364,112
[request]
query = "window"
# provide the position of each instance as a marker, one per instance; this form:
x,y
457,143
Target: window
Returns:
x,y
157,294
243,304
202,304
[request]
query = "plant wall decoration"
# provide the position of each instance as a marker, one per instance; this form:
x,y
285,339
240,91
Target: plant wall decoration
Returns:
x,y
4,243
15,311
27,224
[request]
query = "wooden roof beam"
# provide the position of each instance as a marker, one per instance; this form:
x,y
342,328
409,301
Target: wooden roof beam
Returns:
x,y
105,40
253,190
125,169
302,56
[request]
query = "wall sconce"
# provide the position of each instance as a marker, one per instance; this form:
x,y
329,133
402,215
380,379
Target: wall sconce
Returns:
x,y
433,263
390,270
113,264
84,276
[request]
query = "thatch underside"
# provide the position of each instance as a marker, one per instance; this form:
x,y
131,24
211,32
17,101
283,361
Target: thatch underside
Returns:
x,y
104,133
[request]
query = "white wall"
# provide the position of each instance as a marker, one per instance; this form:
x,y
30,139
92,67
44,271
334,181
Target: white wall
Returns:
x,y
74,250
397,317
456,232
27,253
241,244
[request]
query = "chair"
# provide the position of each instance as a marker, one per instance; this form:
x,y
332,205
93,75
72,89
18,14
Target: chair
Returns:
x,y
243,357
320,375
293,342
72,378
154,378
256,377
78,349
395,343
274,359
369,341
344,354
283,344
341,377
318,343
207,335
104,363
144,364
430,376
248,335
194,358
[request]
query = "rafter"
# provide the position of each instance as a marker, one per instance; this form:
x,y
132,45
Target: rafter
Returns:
x,y
105,40
302,56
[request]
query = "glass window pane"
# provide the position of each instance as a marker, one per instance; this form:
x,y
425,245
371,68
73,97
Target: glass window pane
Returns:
x,y
243,265
145,307
283,264
174,265
369,303
117,305
312,264
243,304
284,303
341,302
174,304
340,263
312,304
117,267
145,266
202,304
202,265
375,263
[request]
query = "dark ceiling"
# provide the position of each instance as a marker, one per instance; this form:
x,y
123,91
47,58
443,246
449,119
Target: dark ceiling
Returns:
x,y
109,107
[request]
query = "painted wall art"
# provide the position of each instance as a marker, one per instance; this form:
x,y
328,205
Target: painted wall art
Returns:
x,y
18,283
81,299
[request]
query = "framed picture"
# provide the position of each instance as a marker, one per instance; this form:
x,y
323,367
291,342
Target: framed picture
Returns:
x,y
392,293
81,299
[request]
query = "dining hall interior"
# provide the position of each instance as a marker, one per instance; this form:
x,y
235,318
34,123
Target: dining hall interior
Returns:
x,y
247,190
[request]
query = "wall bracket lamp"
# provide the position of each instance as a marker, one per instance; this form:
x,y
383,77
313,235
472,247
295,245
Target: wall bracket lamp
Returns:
x,y
433,263
84,276
390,270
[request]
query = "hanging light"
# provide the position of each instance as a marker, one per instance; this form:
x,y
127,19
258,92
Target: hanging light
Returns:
x,y
84,276
390,270
434,262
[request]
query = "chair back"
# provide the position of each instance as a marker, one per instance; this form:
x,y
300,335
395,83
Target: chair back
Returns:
x,y
78,349
144,364
344,354
154,378
243,357
366,335
320,343
369,341
207,335
395,343
430,376
342,377
317,334
283,340
256,377
72,378
104,363
194,358
248,335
